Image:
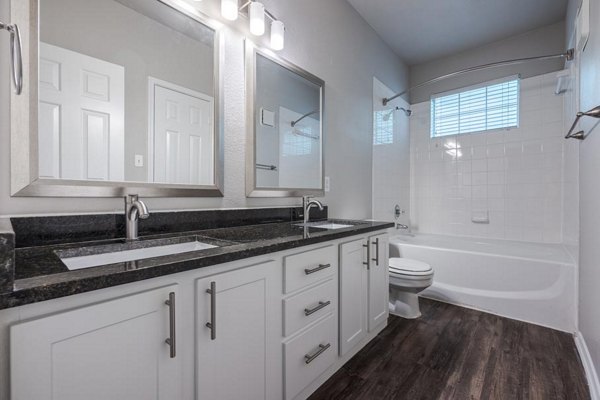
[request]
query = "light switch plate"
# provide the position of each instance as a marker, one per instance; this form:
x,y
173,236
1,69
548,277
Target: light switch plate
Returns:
x,y
139,160
327,184
267,117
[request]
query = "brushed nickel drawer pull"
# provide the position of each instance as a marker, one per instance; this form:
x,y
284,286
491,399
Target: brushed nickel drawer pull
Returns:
x,y
308,271
212,325
322,304
368,254
308,358
172,333
376,259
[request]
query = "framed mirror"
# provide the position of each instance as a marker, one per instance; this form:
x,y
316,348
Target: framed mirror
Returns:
x,y
120,97
284,155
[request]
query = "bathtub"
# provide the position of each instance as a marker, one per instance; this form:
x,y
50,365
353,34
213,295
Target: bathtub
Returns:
x,y
530,282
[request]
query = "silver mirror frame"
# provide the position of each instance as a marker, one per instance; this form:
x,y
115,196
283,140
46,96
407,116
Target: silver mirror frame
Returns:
x,y
251,52
24,151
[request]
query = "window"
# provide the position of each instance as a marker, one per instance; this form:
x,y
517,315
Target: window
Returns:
x,y
299,141
383,127
476,109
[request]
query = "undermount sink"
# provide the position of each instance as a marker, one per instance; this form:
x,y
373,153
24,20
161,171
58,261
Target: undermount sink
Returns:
x,y
74,261
325,225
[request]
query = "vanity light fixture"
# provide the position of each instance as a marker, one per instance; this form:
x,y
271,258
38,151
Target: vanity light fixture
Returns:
x,y
256,12
256,16
277,35
229,9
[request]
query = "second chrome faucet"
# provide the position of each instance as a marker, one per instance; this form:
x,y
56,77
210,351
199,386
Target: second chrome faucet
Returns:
x,y
307,204
135,210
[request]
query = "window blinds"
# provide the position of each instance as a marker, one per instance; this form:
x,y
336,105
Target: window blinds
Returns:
x,y
495,106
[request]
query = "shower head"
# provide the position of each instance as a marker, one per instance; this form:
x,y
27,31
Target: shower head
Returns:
x,y
387,116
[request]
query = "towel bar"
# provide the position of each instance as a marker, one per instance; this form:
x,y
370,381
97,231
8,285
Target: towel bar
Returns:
x,y
594,112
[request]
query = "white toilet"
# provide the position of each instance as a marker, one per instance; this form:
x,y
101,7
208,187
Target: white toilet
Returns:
x,y
407,278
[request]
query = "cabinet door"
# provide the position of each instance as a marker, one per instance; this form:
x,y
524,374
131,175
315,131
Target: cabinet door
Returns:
x,y
353,294
114,350
234,363
378,281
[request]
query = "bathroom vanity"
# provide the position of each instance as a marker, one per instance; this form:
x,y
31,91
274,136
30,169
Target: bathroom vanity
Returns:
x,y
265,311
225,304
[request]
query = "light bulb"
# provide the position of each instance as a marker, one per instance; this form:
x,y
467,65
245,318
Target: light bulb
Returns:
x,y
277,35
257,18
229,9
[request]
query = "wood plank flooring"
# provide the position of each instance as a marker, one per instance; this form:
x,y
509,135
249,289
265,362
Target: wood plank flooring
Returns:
x,y
457,353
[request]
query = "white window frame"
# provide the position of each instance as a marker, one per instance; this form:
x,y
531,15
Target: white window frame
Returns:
x,y
474,87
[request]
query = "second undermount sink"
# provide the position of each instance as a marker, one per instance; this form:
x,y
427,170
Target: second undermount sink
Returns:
x,y
326,225
102,255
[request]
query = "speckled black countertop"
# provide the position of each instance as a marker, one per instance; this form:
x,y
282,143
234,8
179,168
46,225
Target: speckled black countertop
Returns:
x,y
41,275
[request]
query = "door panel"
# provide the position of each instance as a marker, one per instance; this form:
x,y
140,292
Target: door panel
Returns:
x,y
378,281
49,140
182,136
81,116
96,133
353,294
110,350
235,364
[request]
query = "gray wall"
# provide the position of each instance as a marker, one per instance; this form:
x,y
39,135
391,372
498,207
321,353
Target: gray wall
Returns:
x,y
589,184
546,40
140,44
327,38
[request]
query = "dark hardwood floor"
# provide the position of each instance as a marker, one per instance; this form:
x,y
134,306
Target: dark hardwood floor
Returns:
x,y
457,353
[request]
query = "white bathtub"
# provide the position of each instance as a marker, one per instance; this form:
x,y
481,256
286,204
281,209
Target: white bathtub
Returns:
x,y
526,281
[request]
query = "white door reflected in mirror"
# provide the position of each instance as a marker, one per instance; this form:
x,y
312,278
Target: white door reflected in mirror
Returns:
x,y
133,103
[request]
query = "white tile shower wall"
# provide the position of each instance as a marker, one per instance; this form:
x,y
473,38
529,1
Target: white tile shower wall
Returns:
x,y
391,161
512,178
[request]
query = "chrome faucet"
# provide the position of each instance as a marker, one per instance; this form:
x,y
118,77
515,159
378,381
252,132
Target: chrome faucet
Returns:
x,y
135,209
307,204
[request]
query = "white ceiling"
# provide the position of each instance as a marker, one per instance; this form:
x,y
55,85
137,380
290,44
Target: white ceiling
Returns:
x,y
423,30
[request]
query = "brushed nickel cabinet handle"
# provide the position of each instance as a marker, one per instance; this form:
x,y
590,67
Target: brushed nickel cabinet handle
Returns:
x,y
308,358
212,325
171,341
368,254
376,259
322,304
316,269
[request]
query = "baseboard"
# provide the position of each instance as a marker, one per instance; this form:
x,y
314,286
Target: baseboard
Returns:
x,y
588,366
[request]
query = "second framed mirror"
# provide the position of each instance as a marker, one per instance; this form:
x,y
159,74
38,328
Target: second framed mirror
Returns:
x,y
284,156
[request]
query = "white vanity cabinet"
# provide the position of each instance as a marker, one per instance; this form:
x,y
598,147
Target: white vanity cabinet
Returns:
x,y
238,334
270,327
310,316
110,350
379,285
364,292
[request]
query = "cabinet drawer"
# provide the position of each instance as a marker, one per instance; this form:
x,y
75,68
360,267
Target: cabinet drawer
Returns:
x,y
308,306
309,267
309,355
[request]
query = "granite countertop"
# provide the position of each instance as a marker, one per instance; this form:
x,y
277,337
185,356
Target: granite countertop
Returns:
x,y
41,275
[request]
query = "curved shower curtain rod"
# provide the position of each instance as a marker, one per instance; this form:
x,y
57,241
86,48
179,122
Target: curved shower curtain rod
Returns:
x,y
304,116
568,55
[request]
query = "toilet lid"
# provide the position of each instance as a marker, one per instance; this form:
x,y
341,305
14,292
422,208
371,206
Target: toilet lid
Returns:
x,y
406,266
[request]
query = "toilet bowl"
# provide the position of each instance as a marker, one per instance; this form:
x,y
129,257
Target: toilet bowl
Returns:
x,y
407,278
